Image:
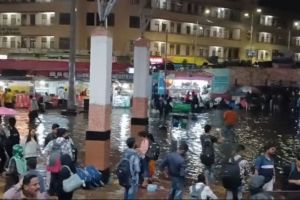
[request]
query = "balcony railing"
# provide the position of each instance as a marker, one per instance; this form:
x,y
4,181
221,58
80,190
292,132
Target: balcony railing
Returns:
x,y
24,1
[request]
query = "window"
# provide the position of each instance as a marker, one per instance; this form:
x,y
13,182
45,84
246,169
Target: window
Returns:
x,y
134,22
163,27
13,20
44,19
178,28
44,43
171,49
13,42
32,43
32,19
5,20
163,49
90,19
64,18
178,49
52,43
187,50
24,19
4,42
64,43
172,27
188,30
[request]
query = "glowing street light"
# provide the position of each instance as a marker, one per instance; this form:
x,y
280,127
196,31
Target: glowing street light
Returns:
x,y
258,10
207,11
246,15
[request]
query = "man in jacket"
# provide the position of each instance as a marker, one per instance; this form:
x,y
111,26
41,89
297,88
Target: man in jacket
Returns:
x,y
176,168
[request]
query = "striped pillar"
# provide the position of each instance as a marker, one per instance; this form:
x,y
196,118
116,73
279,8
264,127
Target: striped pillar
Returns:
x,y
97,142
139,120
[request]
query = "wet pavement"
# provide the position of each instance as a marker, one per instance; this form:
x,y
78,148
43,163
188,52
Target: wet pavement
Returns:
x,y
253,130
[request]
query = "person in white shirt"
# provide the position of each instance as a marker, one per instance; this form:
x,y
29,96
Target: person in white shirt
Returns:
x,y
31,146
200,190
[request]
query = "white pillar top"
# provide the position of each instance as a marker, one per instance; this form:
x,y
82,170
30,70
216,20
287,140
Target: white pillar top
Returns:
x,y
141,42
100,31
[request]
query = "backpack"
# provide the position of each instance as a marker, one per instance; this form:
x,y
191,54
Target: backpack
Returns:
x,y
54,164
124,170
207,156
231,175
196,194
153,151
96,176
85,176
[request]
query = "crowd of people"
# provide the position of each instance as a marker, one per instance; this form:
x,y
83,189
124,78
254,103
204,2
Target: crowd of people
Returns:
x,y
20,160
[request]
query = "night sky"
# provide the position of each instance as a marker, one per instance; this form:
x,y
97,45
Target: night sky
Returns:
x,y
287,5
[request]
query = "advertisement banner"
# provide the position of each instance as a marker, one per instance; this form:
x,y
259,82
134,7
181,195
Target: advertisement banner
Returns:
x,y
221,80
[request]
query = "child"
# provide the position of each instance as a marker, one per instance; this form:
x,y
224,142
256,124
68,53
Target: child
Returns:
x,y
200,190
31,146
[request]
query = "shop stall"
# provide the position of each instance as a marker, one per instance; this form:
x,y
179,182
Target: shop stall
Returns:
x,y
122,90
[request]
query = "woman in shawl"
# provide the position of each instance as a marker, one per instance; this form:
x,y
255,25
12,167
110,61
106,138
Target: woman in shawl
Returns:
x,y
16,167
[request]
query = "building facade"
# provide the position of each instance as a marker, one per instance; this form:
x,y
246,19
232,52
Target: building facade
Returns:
x,y
227,29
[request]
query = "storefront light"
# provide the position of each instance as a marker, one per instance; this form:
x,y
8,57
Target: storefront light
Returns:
x,y
2,84
42,83
3,57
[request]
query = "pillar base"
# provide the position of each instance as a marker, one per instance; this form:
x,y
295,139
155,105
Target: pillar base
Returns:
x,y
69,112
105,175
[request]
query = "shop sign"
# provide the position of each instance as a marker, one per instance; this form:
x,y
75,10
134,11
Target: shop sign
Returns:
x,y
156,60
66,75
9,31
126,77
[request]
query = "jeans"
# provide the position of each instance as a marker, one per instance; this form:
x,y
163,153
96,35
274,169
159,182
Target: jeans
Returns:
x,y
229,194
209,174
130,193
177,188
229,134
145,164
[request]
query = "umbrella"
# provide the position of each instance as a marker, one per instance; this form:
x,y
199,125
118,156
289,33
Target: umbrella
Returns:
x,y
250,89
7,111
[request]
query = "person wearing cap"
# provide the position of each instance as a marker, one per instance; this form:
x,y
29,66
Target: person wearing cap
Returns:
x,y
175,165
264,166
52,135
256,189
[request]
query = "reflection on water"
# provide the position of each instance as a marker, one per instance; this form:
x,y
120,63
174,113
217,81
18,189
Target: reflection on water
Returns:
x,y
253,130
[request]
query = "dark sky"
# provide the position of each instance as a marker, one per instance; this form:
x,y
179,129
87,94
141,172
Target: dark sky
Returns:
x,y
287,5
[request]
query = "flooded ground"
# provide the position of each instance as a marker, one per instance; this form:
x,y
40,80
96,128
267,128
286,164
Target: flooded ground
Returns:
x,y
253,130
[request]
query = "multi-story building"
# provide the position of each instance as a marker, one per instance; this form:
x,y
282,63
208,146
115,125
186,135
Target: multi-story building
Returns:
x,y
228,29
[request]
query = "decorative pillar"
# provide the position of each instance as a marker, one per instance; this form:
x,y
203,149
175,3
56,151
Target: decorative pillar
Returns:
x,y
139,120
97,142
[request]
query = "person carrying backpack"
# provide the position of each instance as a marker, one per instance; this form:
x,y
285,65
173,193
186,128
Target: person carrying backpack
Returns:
x,y
55,149
235,174
174,166
128,170
207,156
200,191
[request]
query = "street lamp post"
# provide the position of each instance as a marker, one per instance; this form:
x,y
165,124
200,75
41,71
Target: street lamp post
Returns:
x,y
71,105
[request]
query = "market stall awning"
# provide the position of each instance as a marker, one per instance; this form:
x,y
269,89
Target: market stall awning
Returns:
x,y
53,65
200,75
188,60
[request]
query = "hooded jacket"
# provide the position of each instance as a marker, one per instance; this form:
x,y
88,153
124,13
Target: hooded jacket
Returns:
x,y
134,160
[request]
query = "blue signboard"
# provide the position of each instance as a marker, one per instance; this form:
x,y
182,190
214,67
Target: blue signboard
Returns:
x,y
221,80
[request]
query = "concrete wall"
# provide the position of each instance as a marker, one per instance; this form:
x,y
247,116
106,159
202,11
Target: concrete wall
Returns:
x,y
261,77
